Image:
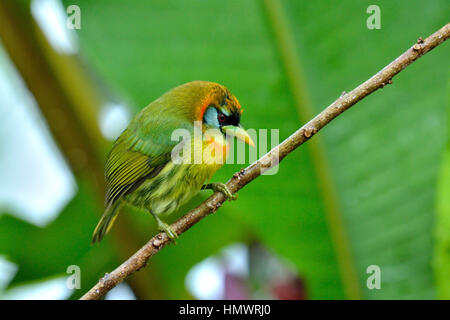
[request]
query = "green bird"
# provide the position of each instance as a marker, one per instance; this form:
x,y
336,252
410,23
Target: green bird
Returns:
x,y
150,169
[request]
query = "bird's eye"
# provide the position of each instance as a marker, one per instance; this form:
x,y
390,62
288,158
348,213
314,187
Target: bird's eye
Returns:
x,y
221,117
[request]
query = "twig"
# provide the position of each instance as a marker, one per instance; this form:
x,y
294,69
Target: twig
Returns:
x,y
272,158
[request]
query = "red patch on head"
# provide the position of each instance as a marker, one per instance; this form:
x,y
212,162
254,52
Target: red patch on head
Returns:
x,y
203,107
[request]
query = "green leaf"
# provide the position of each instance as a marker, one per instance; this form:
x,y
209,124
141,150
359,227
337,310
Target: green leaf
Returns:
x,y
384,153
441,258
176,42
380,159
441,254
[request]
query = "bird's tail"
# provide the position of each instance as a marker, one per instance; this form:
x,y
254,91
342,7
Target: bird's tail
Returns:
x,y
106,221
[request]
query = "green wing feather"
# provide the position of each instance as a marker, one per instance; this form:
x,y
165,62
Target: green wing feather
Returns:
x,y
125,168
140,153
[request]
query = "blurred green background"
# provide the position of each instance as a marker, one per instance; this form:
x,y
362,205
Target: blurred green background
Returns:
x,y
371,189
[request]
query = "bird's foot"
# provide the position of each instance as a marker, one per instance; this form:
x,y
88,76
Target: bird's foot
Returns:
x,y
162,226
221,187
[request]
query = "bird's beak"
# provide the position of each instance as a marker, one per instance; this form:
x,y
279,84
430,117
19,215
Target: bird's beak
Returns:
x,y
239,133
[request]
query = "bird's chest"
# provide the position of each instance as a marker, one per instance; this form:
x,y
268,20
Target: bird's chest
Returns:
x,y
179,180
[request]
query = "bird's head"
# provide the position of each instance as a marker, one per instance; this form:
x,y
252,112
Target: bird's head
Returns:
x,y
213,105
223,112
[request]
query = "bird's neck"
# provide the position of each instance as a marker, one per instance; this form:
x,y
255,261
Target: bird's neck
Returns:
x,y
215,148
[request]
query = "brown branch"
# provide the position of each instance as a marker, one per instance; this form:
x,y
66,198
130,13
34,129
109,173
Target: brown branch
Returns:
x,y
272,158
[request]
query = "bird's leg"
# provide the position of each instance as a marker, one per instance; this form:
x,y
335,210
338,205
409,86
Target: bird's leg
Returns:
x,y
162,226
221,187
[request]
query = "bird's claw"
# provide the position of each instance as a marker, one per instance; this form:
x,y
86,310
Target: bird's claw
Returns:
x,y
162,226
222,187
